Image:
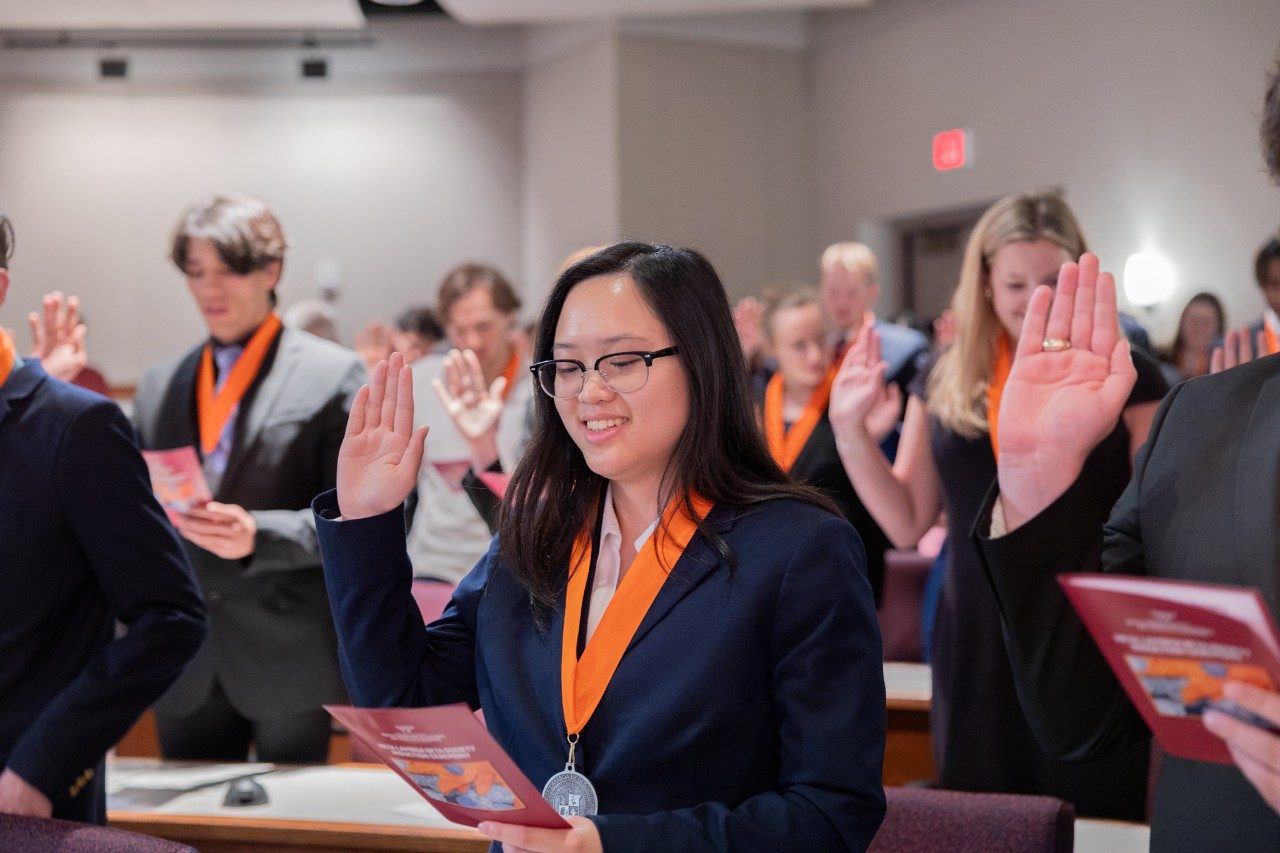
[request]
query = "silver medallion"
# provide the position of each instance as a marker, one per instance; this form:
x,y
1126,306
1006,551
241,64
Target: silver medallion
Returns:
x,y
571,794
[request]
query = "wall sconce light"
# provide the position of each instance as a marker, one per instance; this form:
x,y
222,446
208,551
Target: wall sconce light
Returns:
x,y
1149,279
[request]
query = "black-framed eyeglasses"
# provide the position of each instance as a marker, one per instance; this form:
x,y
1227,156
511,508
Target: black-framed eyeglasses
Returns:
x,y
623,372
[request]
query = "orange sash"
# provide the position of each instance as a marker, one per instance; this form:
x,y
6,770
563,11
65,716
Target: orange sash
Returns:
x,y
509,373
999,376
213,410
784,444
1273,345
8,356
584,680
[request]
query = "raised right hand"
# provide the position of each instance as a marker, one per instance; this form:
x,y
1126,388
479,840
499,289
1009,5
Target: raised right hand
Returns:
x,y
381,452
859,389
1057,406
747,316
58,336
1236,350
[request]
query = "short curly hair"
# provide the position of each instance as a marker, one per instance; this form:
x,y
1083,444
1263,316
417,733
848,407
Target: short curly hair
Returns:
x,y
1271,125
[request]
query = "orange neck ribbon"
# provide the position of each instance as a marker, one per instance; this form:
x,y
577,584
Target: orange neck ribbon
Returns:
x,y
1273,345
786,444
583,680
8,356
213,410
999,376
509,373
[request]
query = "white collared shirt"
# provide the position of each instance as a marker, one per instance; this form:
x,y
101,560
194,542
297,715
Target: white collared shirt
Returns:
x,y
609,562
1273,320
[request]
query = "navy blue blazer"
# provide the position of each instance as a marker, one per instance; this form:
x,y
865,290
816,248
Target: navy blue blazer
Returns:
x,y
83,543
747,713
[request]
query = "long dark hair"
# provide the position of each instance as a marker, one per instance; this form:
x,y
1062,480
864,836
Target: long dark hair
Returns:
x,y
1179,340
721,454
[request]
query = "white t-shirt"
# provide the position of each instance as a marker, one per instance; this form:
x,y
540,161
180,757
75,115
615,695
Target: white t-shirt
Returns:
x,y
448,536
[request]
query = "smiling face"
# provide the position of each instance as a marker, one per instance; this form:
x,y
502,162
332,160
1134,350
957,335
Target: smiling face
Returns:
x,y
231,304
799,342
475,323
627,438
1017,269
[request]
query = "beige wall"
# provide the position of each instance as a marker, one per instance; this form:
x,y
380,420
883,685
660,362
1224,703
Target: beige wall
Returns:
x,y
715,154
1145,112
392,187
571,168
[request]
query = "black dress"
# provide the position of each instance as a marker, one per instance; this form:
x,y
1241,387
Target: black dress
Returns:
x,y
981,740
819,465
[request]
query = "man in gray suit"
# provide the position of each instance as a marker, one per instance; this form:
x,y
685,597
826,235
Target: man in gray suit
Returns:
x,y
266,408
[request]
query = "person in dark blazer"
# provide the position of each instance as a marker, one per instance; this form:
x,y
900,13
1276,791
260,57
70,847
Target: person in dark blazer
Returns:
x,y
83,545
271,658
746,707
793,408
1201,507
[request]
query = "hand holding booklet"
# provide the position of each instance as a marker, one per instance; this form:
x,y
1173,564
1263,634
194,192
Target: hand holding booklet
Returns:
x,y
1173,645
177,480
452,761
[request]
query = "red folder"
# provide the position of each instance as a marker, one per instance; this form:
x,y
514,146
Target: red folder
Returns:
x,y
1173,644
452,761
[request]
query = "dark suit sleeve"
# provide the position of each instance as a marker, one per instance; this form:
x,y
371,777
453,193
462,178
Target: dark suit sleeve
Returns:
x,y
388,658
142,570
286,539
828,696
1073,701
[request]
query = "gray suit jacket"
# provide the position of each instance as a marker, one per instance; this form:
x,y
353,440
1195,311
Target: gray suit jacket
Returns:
x,y
271,642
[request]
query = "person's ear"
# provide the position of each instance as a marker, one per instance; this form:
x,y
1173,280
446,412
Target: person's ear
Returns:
x,y
4,284
274,270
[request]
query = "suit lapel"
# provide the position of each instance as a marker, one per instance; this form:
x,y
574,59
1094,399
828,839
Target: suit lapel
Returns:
x,y
179,397
695,564
1257,496
21,383
265,399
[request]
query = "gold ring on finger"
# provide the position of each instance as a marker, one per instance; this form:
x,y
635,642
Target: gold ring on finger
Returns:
x,y
1056,345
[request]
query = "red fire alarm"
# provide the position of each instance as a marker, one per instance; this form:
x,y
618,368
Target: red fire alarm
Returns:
x,y
950,149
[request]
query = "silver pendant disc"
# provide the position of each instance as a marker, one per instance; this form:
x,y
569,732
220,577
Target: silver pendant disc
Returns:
x,y
571,794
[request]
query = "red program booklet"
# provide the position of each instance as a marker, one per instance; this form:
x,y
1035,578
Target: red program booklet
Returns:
x,y
177,480
1173,644
449,758
497,482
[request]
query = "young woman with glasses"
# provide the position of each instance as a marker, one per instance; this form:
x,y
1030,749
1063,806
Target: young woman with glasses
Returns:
x,y
653,558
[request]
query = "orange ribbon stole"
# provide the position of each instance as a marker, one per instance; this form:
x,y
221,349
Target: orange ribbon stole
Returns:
x,y
1273,345
786,444
8,356
999,376
584,680
213,410
509,373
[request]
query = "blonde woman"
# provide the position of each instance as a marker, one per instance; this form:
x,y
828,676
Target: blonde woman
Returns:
x,y
947,460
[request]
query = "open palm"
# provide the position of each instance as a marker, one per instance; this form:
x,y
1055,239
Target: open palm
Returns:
x,y
381,452
859,398
1057,406
473,408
